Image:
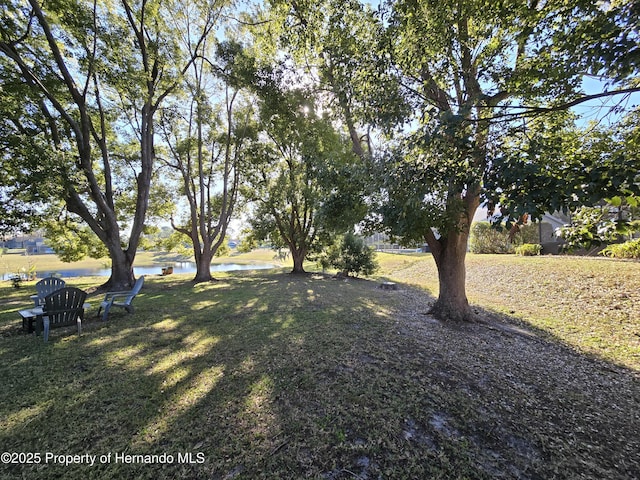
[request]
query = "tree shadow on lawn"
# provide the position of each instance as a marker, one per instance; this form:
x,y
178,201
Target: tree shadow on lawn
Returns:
x,y
283,376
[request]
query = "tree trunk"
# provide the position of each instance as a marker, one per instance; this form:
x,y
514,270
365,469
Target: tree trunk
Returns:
x,y
122,277
298,260
449,254
203,266
203,271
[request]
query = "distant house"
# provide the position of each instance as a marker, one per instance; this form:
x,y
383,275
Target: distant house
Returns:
x,y
550,223
381,242
30,246
15,242
33,245
37,246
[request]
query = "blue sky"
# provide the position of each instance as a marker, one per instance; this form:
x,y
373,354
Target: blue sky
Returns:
x,y
600,110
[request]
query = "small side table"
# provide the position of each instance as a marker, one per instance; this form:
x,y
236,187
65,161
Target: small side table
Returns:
x,y
29,317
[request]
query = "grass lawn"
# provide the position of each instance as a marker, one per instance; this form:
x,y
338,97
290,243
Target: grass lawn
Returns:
x,y
591,304
263,374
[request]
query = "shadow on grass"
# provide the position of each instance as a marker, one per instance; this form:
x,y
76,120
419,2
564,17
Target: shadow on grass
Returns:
x,y
265,375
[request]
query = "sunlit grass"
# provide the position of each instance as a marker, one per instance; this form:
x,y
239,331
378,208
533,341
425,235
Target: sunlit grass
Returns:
x,y
591,303
23,416
131,356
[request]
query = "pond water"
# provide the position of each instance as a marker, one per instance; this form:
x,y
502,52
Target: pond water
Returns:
x,y
178,267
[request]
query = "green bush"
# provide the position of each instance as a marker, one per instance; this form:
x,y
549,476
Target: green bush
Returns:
x,y
351,256
528,249
630,249
248,241
486,239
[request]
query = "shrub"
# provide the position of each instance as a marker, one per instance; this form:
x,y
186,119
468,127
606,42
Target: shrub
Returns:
x,y
528,249
593,227
486,239
351,256
248,242
630,249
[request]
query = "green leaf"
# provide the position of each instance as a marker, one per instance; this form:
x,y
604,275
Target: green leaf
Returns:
x,y
615,201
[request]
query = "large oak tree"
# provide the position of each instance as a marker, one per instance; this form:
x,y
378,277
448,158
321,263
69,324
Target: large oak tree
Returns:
x,y
465,65
467,70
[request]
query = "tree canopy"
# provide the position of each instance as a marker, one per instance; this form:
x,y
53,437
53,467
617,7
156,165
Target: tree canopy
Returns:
x,y
420,110
88,79
301,165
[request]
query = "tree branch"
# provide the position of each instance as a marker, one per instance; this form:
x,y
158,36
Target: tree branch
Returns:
x,y
527,111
